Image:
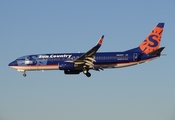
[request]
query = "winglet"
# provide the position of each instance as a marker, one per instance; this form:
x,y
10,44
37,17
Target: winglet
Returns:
x,y
100,40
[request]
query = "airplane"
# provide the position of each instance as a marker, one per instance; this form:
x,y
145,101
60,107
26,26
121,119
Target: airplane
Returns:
x,y
75,63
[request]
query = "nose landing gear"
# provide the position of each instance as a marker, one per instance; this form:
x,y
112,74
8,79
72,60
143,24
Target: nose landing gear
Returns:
x,y
24,74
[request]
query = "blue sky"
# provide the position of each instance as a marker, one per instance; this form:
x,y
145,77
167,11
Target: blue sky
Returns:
x,y
143,92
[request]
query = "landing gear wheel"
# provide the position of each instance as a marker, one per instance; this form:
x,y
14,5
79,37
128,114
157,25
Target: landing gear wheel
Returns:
x,y
88,74
24,75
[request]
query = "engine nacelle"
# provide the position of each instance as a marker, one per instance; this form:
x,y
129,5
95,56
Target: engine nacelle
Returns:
x,y
72,72
66,66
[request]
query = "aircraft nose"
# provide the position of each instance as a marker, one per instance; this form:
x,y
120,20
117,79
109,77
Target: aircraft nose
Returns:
x,y
14,63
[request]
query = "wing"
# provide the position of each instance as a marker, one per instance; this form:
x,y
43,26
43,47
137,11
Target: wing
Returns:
x,y
87,58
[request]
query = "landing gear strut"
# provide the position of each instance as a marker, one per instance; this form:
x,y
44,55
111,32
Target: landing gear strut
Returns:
x,y
86,72
24,74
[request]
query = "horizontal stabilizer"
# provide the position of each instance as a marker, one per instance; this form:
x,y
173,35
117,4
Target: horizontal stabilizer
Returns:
x,y
156,52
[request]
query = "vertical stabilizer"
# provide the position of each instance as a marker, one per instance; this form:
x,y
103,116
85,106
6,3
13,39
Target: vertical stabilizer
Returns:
x,y
152,41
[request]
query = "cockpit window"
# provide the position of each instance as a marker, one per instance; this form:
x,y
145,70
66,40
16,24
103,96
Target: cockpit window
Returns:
x,y
17,59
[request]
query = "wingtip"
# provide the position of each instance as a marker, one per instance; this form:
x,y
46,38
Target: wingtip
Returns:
x,y
100,40
102,36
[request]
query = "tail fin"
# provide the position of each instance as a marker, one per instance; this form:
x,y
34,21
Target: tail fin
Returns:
x,y
152,41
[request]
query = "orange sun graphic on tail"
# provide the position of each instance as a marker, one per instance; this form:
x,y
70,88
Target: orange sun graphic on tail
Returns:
x,y
152,41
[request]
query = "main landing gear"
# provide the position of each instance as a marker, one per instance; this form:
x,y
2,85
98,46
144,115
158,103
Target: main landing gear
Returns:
x,y
24,74
86,72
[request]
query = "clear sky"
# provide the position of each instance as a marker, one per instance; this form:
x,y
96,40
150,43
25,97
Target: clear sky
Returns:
x,y
142,92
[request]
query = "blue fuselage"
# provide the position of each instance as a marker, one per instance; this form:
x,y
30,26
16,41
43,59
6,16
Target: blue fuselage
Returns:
x,y
102,60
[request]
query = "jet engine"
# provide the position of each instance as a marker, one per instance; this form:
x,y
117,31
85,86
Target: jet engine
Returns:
x,y
72,72
66,66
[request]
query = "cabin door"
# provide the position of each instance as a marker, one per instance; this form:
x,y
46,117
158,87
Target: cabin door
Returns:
x,y
135,56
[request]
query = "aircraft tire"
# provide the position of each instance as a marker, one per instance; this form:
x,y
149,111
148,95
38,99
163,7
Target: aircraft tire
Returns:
x,y
24,75
88,74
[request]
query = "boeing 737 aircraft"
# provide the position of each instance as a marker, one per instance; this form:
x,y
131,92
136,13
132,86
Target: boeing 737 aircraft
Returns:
x,y
75,63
